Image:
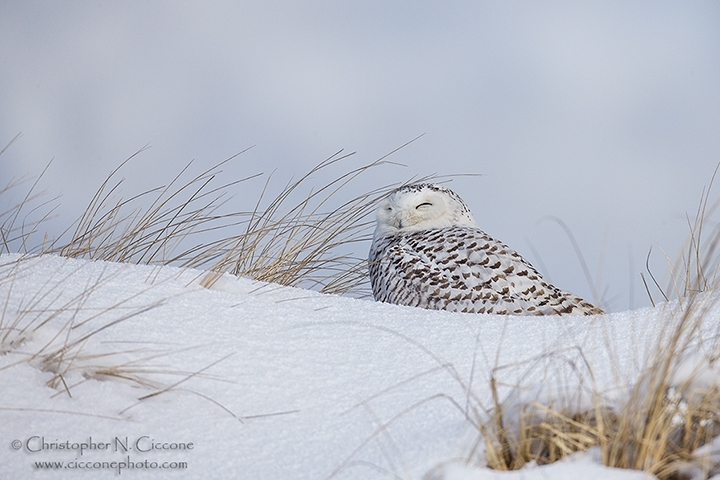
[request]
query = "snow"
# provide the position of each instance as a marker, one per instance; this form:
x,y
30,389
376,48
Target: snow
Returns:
x,y
579,465
255,380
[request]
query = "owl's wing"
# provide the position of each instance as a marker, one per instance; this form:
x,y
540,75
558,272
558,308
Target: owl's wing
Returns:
x,y
463,269
402,273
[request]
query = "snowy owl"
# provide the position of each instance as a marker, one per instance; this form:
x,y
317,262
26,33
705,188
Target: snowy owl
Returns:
x,y
428,251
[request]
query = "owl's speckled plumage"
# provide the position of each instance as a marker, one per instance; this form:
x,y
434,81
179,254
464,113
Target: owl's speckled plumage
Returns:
x,y
429,252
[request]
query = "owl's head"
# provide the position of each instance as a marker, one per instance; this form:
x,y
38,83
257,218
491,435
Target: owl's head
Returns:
x,y
421,207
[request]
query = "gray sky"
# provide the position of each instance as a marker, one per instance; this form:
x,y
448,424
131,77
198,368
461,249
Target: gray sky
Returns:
x,y
603,114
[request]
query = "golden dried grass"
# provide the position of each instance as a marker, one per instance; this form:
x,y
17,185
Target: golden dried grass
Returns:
x,y
288,241
665,417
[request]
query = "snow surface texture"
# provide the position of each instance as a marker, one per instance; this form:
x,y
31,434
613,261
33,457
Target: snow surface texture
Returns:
x,y
276,382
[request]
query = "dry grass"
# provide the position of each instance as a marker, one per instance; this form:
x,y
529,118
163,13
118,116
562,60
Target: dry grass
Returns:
x,y
150,228
52,335
48,335
307,242
303,236
696,267
55,333
59,349
668,414
21,221
671,411
657,428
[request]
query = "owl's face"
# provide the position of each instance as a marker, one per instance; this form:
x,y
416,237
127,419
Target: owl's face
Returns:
x,y
422,207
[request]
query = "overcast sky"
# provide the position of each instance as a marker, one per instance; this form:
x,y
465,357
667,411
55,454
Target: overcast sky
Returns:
x,y
603,114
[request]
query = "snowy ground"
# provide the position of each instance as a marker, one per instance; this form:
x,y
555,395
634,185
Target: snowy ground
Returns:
x,y
275,382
